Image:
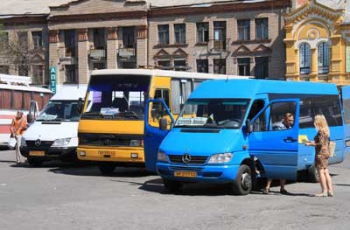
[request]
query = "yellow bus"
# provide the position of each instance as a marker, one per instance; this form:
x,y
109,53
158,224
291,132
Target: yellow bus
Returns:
x,y
111,126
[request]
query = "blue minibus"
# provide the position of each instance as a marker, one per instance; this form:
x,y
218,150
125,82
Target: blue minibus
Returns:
x,y
225,133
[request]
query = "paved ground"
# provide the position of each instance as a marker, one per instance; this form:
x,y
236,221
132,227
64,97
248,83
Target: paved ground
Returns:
x,y
64,196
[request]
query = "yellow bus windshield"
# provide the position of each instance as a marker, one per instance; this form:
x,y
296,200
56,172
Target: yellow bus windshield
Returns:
x,y
118,97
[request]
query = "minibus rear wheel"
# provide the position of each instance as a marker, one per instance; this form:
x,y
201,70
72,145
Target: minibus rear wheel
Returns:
x,y
242,185
172,186
313,174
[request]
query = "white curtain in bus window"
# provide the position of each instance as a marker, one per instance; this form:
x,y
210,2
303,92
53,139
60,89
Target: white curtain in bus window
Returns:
x,y
176,95
181,90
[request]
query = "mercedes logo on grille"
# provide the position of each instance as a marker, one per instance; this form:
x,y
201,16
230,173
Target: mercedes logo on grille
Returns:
x,y
38,142
186,158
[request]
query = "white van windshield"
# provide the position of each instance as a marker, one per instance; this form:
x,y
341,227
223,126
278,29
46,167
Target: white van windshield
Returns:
x,y
60,111
213,113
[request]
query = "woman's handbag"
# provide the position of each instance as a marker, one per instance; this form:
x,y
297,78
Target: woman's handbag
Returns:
x,y
331,148
12,143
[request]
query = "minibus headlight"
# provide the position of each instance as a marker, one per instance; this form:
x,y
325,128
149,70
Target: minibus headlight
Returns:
x,y
61,142
135,143
161,156
23,142
220,158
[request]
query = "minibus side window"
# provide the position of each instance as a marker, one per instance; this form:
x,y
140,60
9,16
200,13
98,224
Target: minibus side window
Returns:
x,y
181,89
158,109
306,113
256,107
329,107
277,115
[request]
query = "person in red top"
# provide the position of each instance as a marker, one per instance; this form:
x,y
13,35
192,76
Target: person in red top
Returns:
x,y
18,126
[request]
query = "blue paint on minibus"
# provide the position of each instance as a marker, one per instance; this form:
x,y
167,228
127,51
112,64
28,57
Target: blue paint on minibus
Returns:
x,y
211,141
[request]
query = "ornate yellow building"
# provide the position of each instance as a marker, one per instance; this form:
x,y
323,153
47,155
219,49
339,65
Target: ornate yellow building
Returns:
x,y
316,43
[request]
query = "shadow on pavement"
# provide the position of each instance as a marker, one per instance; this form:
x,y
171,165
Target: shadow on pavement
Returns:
x,y
91,170
190,189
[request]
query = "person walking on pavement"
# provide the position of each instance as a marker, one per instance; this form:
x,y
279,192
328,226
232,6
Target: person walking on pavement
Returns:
x,y
18,126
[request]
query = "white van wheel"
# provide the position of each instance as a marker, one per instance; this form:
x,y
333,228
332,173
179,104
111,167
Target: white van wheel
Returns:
x,y
242,185
34,162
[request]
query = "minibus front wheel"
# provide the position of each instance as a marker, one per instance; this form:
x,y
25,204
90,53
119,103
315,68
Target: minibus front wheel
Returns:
x,y
172,186
242,185
34,162
106,168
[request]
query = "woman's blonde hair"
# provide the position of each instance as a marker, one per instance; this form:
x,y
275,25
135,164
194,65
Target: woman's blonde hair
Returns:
x,y
321,124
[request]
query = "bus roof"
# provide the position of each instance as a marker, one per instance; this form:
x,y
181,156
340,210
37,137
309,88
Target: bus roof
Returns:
x,y
241,88
21,83
165,73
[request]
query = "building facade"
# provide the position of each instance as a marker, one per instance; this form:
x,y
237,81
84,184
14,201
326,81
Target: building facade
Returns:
x,y
303,40
316,42
96,34
232,37
24,47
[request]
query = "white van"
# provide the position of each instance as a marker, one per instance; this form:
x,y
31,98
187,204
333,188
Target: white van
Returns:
x,y
53,135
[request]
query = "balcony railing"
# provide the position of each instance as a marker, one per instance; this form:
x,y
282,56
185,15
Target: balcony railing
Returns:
x,y
127,52
218,46
97,53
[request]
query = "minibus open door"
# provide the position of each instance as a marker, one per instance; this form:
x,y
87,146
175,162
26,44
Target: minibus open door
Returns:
x,y
345,93
276,150
157,126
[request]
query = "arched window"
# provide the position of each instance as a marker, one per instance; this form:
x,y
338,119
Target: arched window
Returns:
x,y
323,58
304,58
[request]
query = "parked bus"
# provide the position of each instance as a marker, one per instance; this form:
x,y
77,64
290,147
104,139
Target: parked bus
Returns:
x,y
61,114
16,94
111,126
225,133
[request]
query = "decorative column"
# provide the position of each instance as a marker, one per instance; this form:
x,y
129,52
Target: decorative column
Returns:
x,y
141,52
112,45
54,54
83,58
313,67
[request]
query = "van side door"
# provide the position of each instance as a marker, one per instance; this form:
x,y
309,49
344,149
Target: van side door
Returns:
x,y
155,130
274,145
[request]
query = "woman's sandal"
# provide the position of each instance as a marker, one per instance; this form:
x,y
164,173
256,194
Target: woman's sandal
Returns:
x,y
324,194
266,191
330,193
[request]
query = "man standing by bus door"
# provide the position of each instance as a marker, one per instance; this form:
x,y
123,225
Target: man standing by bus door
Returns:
x,y
286,123
18,126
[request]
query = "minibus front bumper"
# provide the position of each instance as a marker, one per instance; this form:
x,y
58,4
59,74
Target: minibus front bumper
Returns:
x,y
223,173
50,153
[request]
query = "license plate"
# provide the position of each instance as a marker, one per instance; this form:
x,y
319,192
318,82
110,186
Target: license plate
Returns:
x,y
36,153
106,153
185,174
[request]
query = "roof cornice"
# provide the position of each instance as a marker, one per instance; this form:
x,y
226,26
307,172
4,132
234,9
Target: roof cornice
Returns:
x,y
223,7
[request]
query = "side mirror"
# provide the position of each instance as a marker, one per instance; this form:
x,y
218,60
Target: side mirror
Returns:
x,y
30,118
80,105
163,123
248,127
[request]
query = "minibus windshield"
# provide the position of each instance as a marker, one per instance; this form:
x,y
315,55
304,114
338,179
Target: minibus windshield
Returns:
x,y
213,113
60,111
118,97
